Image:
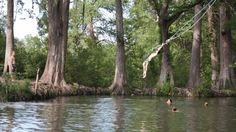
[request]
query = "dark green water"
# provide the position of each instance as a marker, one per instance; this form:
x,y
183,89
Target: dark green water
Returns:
x,y
110,114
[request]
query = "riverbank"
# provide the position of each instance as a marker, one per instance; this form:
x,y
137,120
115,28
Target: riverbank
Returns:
x,y
24,90
15,90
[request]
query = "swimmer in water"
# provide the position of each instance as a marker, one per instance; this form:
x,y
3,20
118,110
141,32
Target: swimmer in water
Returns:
x,y
174,109
169,102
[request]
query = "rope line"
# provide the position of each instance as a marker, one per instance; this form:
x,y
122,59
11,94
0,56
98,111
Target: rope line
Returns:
x,y
189,21
209,5
176,35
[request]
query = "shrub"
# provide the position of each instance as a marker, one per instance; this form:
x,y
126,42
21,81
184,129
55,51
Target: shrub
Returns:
x,y
15,90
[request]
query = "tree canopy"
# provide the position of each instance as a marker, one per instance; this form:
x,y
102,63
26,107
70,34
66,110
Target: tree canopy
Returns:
x,y
91,45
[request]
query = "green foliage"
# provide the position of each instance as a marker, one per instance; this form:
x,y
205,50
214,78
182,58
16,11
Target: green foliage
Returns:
x,y
30,55
140,39
2,47
165,90
91,64
233,65
206,67
43,19
180,61
15,91
84,12
203,90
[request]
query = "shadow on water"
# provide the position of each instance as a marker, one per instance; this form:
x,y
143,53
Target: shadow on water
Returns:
x,y
111,114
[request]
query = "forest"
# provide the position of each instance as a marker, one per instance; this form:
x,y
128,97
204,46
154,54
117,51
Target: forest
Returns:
x,y
125,47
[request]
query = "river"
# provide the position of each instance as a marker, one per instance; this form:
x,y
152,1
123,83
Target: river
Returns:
x,y
116,114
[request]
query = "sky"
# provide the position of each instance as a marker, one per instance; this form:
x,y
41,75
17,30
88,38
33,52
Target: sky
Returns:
x,y
24,25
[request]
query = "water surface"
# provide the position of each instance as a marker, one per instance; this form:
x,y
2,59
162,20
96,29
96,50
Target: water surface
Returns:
x,y
110,114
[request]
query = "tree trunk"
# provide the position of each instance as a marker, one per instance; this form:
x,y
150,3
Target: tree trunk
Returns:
x,y
213,46
119,82
165,19
194,73
227,77
9,37
166,70
90,30
164,24
58,13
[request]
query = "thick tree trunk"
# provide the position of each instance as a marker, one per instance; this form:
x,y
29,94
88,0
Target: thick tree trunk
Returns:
x,y
58,13
227,77
165,19
119,82
213,46
194,73
166,70
9,37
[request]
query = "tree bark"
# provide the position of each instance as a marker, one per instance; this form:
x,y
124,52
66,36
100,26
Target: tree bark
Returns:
x,y
119,82
194,73
164,24
226,77
90,30
166,70
213,47
165,19
9,37
58,13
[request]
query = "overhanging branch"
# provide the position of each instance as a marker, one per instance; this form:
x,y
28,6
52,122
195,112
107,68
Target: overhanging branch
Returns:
x,y
176,15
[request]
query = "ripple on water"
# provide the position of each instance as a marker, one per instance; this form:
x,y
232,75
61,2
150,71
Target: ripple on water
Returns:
x,y
118,114
21,116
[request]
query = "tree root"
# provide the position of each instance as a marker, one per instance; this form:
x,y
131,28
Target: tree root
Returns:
x,y
43,89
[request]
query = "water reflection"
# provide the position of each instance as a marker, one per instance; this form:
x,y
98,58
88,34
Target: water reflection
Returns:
x,y
20,117
54,115
119,114
116,114
9,120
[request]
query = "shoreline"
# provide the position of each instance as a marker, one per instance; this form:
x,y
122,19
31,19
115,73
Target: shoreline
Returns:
x,y
24,90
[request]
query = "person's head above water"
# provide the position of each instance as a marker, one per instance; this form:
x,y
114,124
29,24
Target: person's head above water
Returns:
x,y
174,109
169,101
